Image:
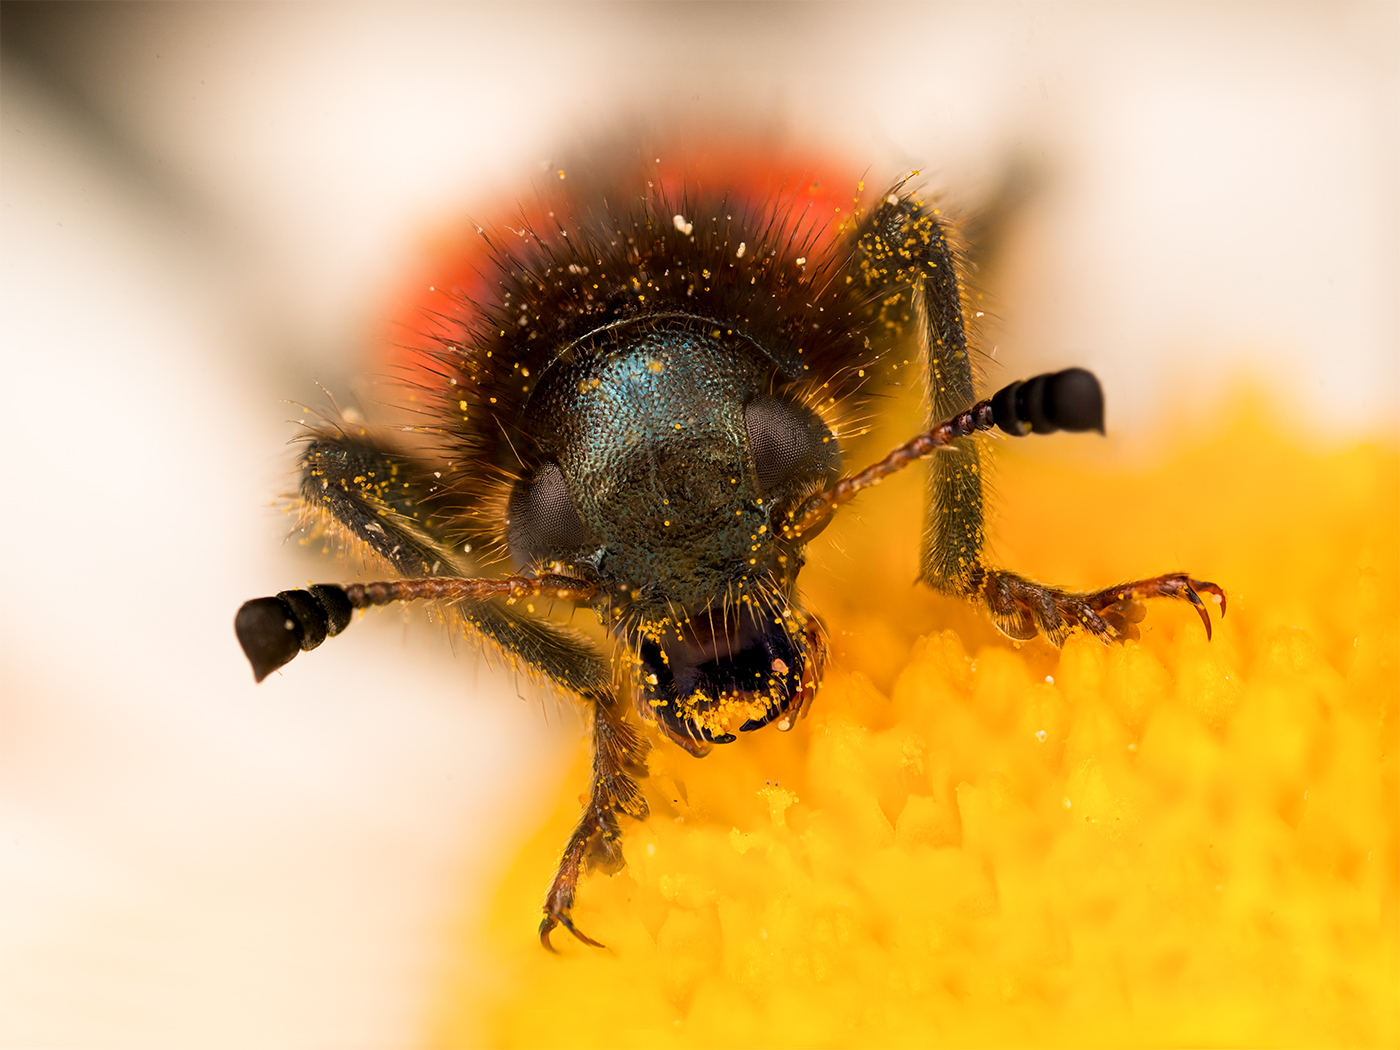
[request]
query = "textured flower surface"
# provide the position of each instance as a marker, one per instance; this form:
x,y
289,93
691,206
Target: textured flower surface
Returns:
x,y
1171,841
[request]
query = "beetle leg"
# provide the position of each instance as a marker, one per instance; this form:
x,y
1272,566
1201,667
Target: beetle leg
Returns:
x,y
383,498
1126,597
1022,608
905,245
619,758
386,500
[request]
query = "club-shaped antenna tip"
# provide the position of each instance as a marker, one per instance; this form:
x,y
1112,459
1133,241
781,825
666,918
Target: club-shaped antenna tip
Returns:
x,y
268,633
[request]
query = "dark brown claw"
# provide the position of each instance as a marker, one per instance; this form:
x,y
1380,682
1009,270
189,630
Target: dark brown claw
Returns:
x,y
1192,586
1022,608
548,923
1179,585
619,758
1169,585
1210,588
1195,600
559,902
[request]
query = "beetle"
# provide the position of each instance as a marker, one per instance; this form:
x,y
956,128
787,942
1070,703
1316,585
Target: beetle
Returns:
x,y
639,402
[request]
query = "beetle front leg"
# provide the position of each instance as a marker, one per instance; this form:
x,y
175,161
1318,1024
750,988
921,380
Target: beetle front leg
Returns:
x,y
1022,608
382,499
619,759
907,257
905,246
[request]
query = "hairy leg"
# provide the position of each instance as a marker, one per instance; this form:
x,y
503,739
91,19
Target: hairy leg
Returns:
x,y
619,759
1022,608
380,497
385,500
904,244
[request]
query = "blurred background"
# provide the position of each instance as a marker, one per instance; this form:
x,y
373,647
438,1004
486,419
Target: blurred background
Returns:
x,y
208,209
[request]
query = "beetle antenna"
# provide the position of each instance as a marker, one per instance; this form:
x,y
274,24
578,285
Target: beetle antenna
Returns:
x,y
1071,400
273,630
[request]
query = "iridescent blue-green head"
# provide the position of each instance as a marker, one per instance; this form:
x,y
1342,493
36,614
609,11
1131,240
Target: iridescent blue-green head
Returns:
x,y
668,450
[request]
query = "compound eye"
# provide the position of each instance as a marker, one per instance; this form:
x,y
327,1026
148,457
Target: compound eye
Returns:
x,y
541,519
787,439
